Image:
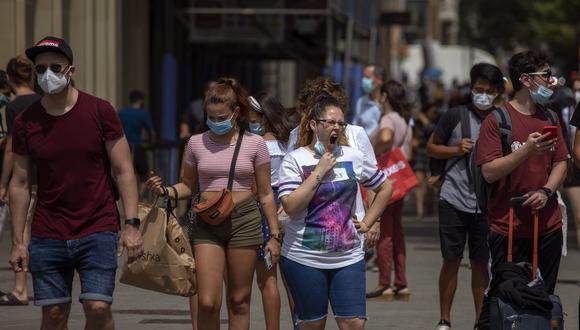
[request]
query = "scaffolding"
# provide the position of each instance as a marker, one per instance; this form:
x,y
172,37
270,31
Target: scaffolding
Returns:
x,y
350,31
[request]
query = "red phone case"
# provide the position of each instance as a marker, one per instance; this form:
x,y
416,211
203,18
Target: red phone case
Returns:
x,y
553,132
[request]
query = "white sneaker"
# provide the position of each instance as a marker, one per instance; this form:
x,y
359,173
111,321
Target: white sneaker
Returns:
x,y
443,325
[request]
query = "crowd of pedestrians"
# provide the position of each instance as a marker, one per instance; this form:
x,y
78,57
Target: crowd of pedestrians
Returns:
x,y
269,189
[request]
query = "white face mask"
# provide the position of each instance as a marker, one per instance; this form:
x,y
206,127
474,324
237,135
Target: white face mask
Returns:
x,y
577,96
482,101
53,83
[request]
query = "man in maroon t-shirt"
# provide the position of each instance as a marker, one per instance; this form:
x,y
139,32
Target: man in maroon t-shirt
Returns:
x,y
535,168
73,139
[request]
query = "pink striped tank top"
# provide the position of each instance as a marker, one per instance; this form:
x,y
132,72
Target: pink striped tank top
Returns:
x,y
213,161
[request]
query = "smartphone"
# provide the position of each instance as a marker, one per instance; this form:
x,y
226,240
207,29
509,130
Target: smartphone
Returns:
x,y
268,260
553,130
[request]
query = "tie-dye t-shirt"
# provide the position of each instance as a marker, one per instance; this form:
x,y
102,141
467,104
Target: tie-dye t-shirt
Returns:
x,y
323,235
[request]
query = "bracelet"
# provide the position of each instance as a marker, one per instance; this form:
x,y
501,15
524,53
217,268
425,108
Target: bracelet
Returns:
x,y
277,237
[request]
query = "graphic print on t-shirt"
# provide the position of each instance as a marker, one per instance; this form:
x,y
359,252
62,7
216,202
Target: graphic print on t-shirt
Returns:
x,y
328,224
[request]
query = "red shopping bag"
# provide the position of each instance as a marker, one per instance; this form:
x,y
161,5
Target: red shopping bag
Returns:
x,y
399,172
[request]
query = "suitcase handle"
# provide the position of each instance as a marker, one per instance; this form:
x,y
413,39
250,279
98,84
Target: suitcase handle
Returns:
x,y
515,201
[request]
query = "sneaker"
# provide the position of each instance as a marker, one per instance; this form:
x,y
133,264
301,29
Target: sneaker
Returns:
x,y
443,325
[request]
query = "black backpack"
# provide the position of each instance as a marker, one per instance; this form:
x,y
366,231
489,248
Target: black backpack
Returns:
x,y
482,188
438,167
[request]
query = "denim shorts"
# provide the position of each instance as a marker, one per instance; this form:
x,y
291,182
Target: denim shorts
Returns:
x,y
312,288
53,263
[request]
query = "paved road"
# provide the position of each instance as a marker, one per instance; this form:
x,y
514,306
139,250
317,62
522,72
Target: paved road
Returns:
x,y
136,308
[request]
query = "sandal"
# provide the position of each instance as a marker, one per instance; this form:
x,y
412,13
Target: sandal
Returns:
x,y
401,291
384,291
9,299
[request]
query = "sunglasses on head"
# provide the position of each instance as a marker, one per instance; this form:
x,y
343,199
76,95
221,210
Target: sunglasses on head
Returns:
x,y
56,68
542,74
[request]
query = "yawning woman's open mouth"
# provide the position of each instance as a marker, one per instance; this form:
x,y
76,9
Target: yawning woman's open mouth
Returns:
x,y
333,139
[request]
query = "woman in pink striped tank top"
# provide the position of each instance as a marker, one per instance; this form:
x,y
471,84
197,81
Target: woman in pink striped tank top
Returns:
x,y
229,248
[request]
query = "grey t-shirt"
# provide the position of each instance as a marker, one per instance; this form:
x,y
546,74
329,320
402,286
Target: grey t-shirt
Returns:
x,y
456,189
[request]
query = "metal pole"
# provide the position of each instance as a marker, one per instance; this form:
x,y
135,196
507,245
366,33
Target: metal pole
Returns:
x,y
373,45
578,69
256,11
348,52
329,39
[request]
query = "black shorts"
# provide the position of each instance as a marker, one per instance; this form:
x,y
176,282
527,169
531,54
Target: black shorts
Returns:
x,y
455,227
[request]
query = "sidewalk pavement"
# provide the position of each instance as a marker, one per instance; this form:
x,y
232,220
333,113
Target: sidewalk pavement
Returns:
x,y
135,308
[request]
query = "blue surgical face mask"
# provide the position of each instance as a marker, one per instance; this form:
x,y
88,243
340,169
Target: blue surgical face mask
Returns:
x,y
220,128
256,128
542,94
367,85
4,100
321,150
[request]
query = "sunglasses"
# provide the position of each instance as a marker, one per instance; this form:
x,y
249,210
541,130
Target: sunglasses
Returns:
x,y
546,75
56,68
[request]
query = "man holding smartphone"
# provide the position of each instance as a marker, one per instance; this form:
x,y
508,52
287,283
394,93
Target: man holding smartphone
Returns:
x,y
535,167
461,221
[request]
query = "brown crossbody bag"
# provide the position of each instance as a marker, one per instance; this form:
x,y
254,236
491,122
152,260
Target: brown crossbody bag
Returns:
x,y
218,208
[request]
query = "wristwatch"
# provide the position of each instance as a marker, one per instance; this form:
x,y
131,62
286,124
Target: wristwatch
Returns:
x,y
549,193
133,222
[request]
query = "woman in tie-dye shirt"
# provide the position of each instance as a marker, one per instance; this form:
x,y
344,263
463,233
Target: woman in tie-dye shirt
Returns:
x,y
323,257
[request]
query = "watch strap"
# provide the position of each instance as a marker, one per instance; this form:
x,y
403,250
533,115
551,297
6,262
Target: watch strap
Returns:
x,y
547,191
133,221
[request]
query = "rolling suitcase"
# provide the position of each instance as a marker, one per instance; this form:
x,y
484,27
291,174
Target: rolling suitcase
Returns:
x,y
505,316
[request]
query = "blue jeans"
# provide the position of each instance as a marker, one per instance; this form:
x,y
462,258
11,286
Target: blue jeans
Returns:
x,y
53,263
312,288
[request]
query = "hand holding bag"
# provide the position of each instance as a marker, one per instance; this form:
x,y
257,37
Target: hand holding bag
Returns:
x,y
218,208
167,264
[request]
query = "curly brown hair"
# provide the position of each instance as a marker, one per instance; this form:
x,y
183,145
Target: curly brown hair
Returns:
x,y
312,94
317,110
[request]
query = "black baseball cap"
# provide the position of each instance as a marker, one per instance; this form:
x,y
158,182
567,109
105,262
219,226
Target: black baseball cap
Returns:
x,y
50,44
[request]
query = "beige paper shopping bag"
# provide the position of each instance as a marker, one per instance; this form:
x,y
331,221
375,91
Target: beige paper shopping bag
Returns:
x,y
167,264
